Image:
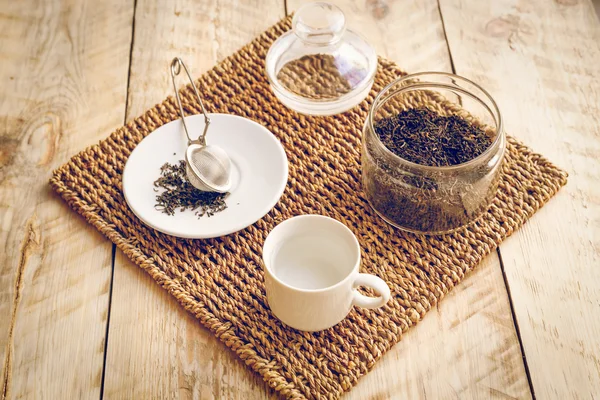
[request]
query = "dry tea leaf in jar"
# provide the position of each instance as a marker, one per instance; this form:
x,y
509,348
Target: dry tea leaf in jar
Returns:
x,y
427,138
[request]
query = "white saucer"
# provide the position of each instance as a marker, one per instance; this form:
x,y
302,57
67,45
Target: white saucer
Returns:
x,y
259,175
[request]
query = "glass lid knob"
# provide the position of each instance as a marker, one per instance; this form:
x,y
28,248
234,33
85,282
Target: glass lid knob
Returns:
x,y
319,23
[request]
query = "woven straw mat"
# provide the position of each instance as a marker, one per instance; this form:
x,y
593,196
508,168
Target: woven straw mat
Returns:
x,y
220,281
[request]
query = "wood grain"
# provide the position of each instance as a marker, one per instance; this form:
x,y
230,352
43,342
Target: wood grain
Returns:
x,y
64,74
540,61
407,32
465,349
468,347
150,335
475,365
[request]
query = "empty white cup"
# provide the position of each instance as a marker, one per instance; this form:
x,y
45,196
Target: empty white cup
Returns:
x,y
311,273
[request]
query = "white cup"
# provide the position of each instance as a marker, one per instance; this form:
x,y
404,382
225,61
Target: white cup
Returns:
x,y
311,273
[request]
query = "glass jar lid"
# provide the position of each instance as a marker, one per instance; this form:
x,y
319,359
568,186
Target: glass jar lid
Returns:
x,y
320,67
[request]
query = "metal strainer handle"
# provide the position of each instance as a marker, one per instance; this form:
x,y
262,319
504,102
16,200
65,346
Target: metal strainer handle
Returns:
x,y
176,65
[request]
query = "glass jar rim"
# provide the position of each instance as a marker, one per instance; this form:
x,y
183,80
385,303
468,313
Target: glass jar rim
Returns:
x,y
499,123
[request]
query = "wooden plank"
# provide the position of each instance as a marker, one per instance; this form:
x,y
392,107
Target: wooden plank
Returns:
x,y
540,61
64,73
155,348
177,357
407,32
468,349
483,359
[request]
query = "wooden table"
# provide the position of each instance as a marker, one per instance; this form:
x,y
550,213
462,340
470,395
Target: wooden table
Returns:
x,y
78,320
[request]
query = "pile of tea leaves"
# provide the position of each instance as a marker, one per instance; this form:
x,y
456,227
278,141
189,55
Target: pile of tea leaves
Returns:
x,y
180,194
425,137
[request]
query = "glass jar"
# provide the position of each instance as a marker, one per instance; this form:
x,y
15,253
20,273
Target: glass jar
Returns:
x,y
429,199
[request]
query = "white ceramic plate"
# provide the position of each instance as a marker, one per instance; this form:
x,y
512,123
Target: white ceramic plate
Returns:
x,y
259,175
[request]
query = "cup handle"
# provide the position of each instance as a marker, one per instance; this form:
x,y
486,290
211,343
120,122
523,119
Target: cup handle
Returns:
x,y
373,282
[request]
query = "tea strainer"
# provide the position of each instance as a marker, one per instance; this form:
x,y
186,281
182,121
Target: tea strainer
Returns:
x,y
208,167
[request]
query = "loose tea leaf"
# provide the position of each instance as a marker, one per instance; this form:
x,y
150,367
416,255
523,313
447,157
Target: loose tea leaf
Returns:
x,y
180,194
425,137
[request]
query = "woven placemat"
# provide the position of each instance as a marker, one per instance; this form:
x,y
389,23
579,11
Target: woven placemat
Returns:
x,y
220,281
